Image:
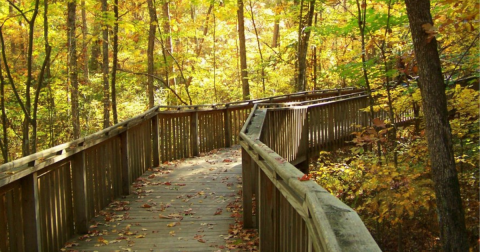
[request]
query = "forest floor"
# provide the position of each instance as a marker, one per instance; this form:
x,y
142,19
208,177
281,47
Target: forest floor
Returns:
x,y
187,205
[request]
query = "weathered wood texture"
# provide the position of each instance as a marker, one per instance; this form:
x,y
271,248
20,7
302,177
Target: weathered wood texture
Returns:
x,y
296,215
49,196
194,196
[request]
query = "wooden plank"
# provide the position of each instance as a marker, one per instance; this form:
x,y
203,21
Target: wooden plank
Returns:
x,y
30,212
248,189
194,133
198,176
80,193
267,202
126,171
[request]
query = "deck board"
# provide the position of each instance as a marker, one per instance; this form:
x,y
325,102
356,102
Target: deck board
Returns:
x,y
197,195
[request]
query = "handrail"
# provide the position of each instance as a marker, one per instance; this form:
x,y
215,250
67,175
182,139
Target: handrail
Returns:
x,y
329,224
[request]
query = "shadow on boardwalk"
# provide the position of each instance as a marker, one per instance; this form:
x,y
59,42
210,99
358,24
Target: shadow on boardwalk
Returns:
x,y
186,205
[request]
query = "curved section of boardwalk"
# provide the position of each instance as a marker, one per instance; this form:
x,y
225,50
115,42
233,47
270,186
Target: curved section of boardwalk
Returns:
x,y
180,206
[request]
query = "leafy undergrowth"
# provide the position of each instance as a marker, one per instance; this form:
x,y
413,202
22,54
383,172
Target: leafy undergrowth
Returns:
x,y
397,203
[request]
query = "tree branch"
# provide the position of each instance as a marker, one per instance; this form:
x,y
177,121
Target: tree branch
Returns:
x,y
157,78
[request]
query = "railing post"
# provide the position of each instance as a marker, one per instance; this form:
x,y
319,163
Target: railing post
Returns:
x,y
227,127
156,141
31,215
331,121
249,182
126,172
194,132
268,209
304,142
79,176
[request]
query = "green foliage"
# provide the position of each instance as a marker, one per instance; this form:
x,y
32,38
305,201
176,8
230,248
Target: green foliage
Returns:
x,y
396,200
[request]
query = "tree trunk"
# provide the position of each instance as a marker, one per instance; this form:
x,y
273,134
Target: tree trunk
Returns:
x,y
84,43
259,48
4,139
115,63
214,58
447,190
150,51
243,51
276,26
303,37
168,47
72,64
106,94
50,98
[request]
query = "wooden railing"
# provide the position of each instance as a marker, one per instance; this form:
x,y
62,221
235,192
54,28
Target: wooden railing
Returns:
x,y
48,197
277,142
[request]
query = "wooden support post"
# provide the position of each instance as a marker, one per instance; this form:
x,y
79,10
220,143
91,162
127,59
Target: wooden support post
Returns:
x,y
248,189
155,141
126,171
303,166
331,121
227,127
80,201
30,212
268,210
194,132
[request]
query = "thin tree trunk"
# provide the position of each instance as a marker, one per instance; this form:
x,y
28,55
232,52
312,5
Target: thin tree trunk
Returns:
x,y
168,45
214,58
243,50
72,64
389,95
27,145
4,139
84,43
303,37
259,47
50,98
106,94
362,22
453,233
315,59
115,63
150,51
276,26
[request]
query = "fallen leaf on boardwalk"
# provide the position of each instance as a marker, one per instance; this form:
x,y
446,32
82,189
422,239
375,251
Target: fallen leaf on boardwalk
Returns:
x,y
178,184
167,183
305,177
151,176
146,206
175,216
173,224
227,160
102,240
71,244
218,212
188,212
201,240
172,233
161,216
140,236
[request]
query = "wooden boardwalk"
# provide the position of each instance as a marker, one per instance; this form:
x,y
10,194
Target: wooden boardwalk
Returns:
x,y
186,205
